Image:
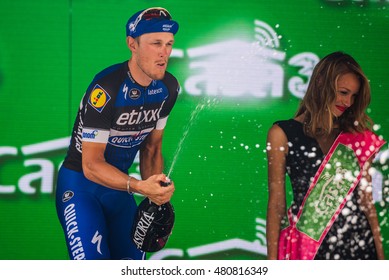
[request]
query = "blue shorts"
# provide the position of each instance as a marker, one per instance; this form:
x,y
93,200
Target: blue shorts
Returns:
x,y
96,220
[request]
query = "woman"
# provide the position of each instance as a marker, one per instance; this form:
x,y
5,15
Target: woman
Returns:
x,y
326,150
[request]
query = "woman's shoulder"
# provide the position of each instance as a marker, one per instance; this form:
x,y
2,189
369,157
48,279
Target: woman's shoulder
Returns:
x,y
290,124
282,128
292,129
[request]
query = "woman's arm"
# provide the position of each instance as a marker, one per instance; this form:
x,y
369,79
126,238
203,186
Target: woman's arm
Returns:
x,y
365,192
277,145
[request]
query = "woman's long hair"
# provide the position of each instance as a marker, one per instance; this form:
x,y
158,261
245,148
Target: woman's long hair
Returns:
x,y
321,94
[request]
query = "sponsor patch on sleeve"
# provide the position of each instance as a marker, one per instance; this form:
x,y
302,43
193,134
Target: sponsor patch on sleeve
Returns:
x,y
95,135
98,98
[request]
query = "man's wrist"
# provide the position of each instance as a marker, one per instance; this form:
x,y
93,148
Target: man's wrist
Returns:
x,y
133,185
129,189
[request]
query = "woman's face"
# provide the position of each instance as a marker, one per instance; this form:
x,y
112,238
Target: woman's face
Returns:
x,y
347,89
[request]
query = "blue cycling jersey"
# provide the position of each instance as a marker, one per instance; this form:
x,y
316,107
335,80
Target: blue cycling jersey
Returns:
x,y
118,111
115,110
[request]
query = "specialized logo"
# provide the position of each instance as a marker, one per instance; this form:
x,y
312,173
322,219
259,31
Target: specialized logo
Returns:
x,y
98,98
97,240
68,195
134,93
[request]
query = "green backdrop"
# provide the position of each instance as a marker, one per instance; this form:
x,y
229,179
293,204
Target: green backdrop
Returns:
x,y
241,64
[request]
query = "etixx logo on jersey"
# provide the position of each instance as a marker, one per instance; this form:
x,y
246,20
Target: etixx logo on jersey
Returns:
x,y
98,98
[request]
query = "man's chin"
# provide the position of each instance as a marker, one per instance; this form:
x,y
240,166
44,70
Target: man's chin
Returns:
x,y
158,76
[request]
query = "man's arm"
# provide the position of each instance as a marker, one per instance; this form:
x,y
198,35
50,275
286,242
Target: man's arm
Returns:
x,y
96,169
151,160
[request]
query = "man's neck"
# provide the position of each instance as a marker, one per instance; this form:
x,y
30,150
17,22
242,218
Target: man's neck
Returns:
x,y
138,75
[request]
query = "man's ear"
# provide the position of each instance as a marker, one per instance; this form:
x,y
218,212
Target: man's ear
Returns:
x,y
131,43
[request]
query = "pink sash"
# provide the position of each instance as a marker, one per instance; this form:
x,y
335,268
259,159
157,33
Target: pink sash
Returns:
x,y
336,178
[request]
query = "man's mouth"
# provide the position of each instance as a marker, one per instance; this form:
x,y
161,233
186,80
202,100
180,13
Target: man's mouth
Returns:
x,y
161,64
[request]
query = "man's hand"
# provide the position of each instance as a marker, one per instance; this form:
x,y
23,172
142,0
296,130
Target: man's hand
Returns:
x,y
152,188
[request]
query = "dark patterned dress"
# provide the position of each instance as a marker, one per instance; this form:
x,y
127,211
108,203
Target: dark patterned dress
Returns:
x,y
350,237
